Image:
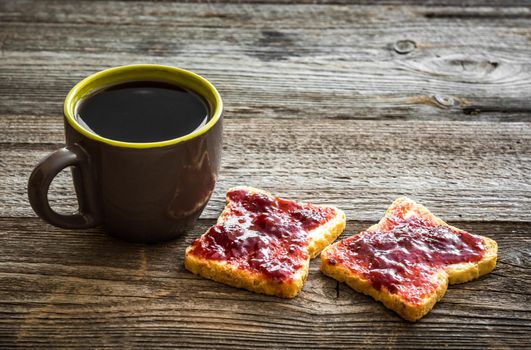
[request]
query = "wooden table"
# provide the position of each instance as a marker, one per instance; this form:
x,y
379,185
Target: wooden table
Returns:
x,y
330,103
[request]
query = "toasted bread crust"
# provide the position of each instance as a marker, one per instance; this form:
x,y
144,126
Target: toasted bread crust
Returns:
x,y
453,274
223,272
394,302
226,273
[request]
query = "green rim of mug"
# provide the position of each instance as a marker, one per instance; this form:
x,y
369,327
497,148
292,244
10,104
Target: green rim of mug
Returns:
x,y
147,72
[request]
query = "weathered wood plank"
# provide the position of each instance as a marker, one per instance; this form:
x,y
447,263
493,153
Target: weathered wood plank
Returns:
x,y
461,170
224,14
427,3
282,61
371,102
53,292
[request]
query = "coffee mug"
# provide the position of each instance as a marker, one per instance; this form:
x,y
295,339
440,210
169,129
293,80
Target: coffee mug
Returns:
x,y
143,192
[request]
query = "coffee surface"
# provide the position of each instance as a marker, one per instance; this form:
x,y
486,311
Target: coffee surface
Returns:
x,y
142,111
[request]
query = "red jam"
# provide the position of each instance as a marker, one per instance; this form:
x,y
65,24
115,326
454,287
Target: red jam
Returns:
x,y
406,257
265,234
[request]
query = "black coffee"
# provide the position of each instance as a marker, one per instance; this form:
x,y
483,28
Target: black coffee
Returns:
x,y
142,111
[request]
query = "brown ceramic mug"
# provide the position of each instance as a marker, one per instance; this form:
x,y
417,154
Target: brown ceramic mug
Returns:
x,y
144,192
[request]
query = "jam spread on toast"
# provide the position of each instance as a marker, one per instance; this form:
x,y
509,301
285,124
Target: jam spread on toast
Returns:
x,y
406,256
262,233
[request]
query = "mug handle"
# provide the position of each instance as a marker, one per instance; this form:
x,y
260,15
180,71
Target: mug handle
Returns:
x,y
42,176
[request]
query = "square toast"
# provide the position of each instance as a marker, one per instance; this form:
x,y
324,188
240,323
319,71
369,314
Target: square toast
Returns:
x,y
407,260
264,243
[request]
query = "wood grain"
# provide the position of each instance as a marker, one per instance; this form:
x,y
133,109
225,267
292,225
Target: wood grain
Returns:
x,y
59,287
460,170
325,101
429,3
284,61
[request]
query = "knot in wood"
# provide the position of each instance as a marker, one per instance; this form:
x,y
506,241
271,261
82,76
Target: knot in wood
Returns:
x,y
404,46
444,101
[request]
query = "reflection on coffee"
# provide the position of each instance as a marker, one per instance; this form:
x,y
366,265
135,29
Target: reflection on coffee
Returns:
x,y
142,111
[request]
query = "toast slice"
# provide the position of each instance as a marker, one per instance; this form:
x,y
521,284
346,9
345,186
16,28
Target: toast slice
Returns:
x,y
407,260
264,243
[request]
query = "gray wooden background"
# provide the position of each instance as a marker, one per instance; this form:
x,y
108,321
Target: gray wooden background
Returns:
x,y
332,102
